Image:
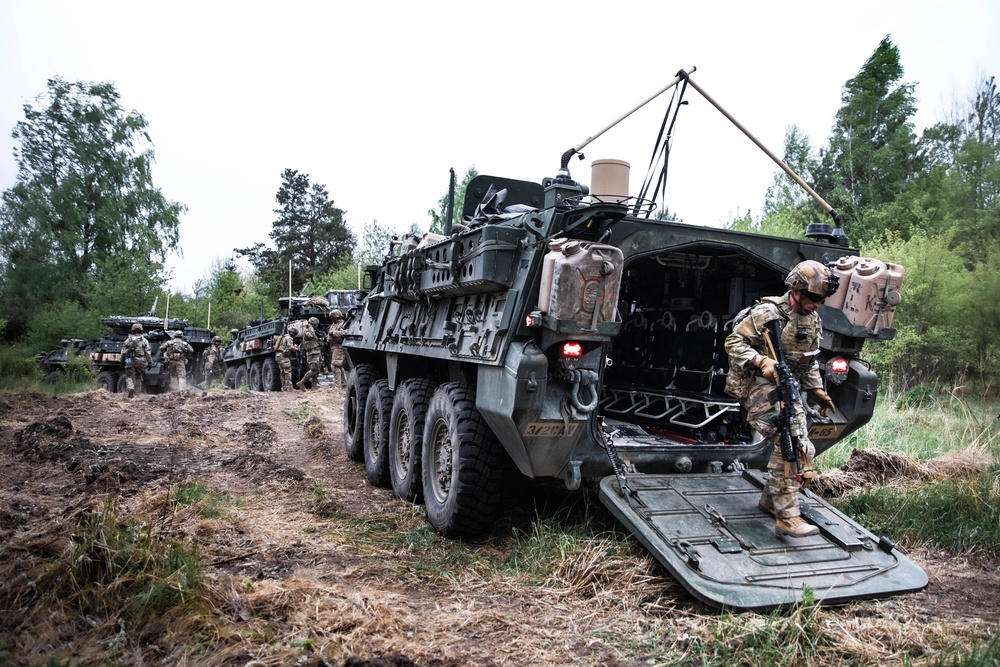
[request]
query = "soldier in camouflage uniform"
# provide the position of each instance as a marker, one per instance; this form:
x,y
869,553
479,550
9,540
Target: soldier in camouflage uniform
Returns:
x,y
313,348
283,352
175,353
211,362
136,358
334,338
752,377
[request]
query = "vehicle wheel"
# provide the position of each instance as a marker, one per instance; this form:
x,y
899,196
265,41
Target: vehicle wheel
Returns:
x,y
54,377
462,464
358,385
229,379
406,435
270,375
122,379
240,377
378,408
108,380
254,378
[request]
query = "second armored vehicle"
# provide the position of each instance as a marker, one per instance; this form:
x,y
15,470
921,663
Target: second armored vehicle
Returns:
x,y
249,357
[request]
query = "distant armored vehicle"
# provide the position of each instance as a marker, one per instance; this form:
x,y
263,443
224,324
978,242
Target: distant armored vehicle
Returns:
x,y
249,357
104,353
564,332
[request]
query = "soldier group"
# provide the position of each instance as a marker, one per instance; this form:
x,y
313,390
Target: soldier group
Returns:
x,y
136,356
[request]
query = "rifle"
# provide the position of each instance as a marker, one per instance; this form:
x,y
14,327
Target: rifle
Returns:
x,y
786,395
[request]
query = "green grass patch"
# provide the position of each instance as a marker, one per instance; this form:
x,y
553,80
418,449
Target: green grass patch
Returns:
x,y
300,413
211,503
957,514
116,567
984,654
790,637
923,425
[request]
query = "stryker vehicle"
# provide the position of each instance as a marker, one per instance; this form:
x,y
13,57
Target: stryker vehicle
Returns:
x,y
105,352
564,330
249,357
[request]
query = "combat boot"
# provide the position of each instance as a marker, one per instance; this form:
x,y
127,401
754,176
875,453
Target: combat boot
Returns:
x,y
301,384
795,527
131,393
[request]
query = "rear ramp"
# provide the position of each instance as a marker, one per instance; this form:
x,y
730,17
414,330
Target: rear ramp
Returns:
x,y
707,531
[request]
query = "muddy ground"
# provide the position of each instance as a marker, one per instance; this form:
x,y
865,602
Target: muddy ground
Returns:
x,y
310,565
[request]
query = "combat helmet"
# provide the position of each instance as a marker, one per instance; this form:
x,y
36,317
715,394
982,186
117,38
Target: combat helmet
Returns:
x,y
813,277
336,314
313,321
216,339
178,334
136,328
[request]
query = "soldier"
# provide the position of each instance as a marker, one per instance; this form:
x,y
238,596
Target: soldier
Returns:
x,y
175,353
136,358
752,377
283,353
314,353
335,338
211,361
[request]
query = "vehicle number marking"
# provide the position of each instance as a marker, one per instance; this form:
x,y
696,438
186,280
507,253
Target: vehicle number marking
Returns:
x,y
825,431
542,429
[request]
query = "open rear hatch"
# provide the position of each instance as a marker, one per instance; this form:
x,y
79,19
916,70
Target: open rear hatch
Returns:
x,y
707,531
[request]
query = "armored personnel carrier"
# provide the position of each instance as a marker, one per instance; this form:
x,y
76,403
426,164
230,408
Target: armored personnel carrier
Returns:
x,y
564,332
249,357
104,353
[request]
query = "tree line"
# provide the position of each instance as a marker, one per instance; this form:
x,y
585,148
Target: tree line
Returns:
x,y
930,203
84,232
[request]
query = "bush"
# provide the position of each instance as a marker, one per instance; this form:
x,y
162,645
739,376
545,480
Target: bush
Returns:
x,y
16,362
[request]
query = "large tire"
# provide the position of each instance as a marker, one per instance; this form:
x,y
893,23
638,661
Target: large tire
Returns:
x,y
406,436
462,464
240,377
122,380
108,380
378,409
358,384
254,378
270,375
54,376
229,379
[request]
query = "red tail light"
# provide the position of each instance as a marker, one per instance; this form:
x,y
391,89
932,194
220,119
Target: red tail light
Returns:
x,y
836,370
572,350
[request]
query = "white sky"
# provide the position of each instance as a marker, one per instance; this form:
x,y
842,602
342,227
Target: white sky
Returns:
x,y
377,100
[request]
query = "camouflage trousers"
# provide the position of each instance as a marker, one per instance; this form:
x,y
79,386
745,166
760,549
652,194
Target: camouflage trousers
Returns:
x,y
135,371
779,491
312,374
214,375
337,366
178,374
285,366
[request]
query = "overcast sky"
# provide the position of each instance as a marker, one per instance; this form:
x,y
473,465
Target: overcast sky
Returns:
x,y
377,100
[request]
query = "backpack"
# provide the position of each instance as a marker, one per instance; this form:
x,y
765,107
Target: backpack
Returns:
x,y
133,347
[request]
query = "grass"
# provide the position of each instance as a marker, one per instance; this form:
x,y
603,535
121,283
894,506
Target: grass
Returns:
x,y
923,425
115,567
959,511
300,414
985,654
961,514
209,503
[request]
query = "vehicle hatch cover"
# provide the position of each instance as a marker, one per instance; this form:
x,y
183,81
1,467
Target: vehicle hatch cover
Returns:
x,y
707,531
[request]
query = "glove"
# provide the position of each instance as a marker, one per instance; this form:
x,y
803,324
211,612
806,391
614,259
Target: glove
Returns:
x,y
823,400
767,369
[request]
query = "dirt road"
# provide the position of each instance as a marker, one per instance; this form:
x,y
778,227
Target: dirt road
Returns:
x,y
304,563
